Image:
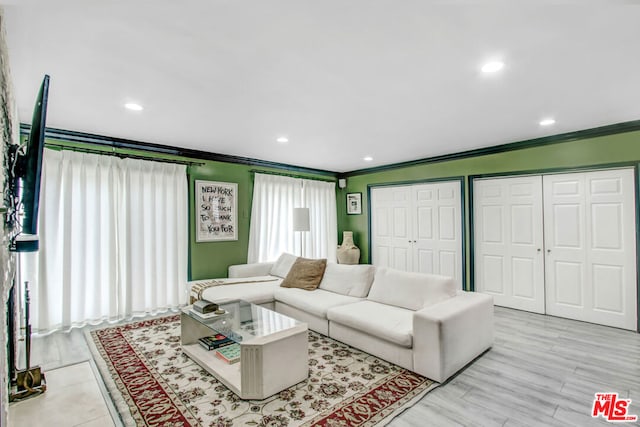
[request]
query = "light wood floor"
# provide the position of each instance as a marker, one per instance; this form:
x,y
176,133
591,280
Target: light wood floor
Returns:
x,y
541,371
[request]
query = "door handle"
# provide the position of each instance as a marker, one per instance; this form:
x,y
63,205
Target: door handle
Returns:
x,y
539,249
548,251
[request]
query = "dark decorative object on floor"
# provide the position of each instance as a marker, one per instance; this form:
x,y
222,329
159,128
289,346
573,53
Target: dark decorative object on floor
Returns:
x,y
30,381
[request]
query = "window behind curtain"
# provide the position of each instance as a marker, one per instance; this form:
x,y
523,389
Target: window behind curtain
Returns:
x,y
271,232
113,239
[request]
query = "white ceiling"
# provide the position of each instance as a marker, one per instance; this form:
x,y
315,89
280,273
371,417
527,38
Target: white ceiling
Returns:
x,y
396,80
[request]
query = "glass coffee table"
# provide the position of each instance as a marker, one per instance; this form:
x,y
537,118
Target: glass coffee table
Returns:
x,y
273,348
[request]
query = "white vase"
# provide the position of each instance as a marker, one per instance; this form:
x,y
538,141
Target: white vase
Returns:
x,y
348,252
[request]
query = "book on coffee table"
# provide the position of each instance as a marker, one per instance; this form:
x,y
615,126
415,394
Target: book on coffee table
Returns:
x,y
215,341
230,353
211,315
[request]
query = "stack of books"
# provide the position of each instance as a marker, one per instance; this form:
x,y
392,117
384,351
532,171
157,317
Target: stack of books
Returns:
x,y
216,341
230,353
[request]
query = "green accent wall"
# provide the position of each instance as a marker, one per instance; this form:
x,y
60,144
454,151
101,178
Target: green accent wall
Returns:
x,y
210,259
604,150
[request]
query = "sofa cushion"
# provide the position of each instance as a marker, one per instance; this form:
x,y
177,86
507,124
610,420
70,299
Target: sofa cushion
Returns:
x,y
250,270
389,323
316,302
257,292
282,265
352,280
305,274
410,290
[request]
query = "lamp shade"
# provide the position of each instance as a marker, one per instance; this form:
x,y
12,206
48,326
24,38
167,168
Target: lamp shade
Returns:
x,y
301,219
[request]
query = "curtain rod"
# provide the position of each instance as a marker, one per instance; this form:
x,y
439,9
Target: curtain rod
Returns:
x,y
122,155
255,171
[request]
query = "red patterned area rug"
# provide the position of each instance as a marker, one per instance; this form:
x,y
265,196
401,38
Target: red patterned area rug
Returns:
x,y
154,384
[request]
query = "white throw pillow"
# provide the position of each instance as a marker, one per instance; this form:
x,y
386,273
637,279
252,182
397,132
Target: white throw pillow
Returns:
x,y
282,266
351,280
412,291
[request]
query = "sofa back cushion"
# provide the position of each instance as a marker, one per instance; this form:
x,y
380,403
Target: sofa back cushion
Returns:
x,y
351,280
412,291
283,264
305,274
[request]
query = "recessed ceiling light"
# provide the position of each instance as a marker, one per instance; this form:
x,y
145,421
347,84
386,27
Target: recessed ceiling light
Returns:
x,y
367,158
492,67
547,122
282,140
133,107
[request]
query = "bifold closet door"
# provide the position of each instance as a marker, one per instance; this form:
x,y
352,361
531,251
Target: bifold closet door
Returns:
x,y
391,241
418,228
590,242
437,225
508,241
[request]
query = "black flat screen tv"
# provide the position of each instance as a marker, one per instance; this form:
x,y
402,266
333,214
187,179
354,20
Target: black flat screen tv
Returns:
x,y
28,171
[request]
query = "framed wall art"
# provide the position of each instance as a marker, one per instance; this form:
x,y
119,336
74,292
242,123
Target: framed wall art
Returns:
x,y
354,203
216,211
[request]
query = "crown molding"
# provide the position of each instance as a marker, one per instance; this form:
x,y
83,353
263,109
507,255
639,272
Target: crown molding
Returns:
x,y
529,143
121,143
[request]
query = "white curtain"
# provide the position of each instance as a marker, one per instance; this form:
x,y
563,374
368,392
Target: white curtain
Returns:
x,y
271,231
320,198
113,239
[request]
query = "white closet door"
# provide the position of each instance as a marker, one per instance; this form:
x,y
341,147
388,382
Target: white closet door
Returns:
x,y
437,225
590,244
391,232
418,228
508,241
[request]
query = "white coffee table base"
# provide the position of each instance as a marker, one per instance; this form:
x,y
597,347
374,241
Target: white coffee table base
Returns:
x,y
268,364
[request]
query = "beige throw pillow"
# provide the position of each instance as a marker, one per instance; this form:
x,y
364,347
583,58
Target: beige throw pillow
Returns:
x,y
305,274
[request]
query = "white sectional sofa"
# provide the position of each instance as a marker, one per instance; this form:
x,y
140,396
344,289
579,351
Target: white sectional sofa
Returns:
x,y
417,321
